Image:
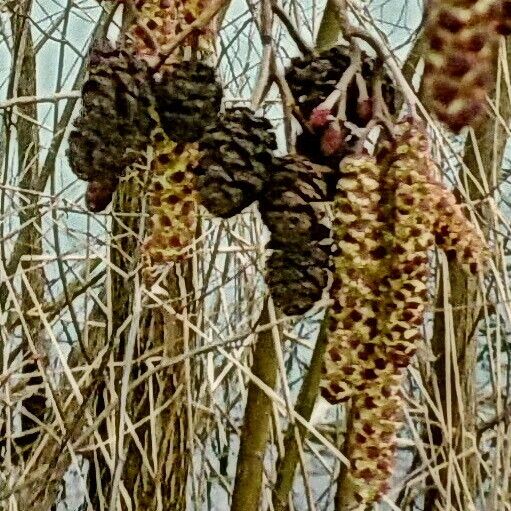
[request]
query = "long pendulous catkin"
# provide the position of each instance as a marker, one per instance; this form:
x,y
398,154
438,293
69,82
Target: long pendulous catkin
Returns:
x,y
173,194
352,357
416,211
424,212
462,40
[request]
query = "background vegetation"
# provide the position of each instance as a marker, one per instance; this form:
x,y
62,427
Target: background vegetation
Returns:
x,y
116,396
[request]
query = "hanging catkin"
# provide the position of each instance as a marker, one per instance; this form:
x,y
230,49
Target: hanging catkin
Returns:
x,y
424,212
173,194
353,356
458,69
414,212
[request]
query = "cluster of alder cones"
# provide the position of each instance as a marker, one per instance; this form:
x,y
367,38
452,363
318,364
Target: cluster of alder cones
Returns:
x,y
388,209
126,104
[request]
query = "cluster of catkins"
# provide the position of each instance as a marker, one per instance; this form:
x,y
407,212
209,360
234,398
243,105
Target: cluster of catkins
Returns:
x,y
463,39
390,210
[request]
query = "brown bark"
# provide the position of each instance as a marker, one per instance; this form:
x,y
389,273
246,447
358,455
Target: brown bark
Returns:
x,y
32,291
256,424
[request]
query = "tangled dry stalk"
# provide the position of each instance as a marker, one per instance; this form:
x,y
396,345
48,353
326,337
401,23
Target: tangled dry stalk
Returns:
x,y
119,395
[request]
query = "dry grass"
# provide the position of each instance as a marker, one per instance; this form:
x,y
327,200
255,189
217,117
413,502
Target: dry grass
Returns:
x,y
154,408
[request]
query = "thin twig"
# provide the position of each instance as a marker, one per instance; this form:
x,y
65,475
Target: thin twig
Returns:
x,y
290,26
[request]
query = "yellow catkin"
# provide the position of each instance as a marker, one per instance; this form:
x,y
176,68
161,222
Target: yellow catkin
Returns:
x,y
425,212
458,63
415,212
376,417
173,196
352,358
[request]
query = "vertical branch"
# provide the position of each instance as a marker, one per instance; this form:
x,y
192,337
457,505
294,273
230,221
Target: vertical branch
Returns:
x,y
25,120
256,425
305,402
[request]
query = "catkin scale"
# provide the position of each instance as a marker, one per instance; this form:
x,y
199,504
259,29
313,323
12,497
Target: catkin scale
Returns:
x,y
503,16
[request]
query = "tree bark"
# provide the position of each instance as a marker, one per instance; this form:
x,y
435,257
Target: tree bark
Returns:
x,y
32,289
256,424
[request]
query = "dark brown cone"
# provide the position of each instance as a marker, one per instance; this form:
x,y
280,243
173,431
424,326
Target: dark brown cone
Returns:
x,y
291,207
296,278
234,166
314,77
114,124
288,202
99,194
188,98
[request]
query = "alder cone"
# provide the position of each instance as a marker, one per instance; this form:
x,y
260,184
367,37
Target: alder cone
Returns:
x,y
296,278
292,207
188,98
289,203
237,153
114,124
314,77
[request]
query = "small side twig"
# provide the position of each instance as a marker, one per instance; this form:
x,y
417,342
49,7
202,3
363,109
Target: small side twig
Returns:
x,y
290,27
349,32
207,15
